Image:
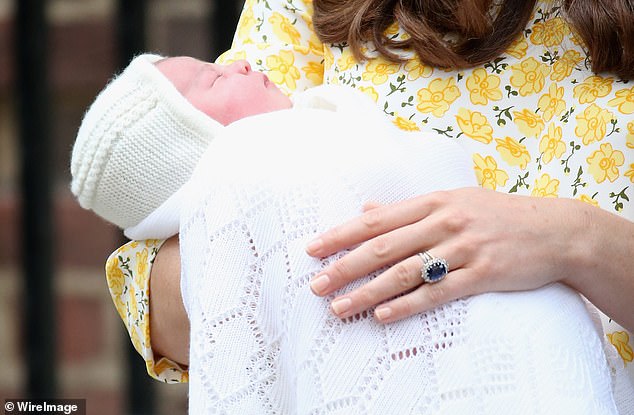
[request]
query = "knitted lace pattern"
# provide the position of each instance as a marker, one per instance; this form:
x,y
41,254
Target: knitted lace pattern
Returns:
x,y
262,343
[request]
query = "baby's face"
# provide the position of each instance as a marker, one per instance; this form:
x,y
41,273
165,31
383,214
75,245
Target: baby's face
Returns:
x,y
224,92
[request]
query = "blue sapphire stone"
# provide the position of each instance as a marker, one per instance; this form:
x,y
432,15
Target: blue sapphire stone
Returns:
x,y
435,271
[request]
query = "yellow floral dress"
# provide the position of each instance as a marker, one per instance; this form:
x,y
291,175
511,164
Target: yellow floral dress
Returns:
x,y
535,120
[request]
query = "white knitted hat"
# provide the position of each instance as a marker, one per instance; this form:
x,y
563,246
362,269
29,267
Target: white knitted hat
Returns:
x,y
137,144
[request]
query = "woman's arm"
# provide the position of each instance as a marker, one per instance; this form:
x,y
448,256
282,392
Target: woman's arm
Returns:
x,y
492,242
128,276
169,324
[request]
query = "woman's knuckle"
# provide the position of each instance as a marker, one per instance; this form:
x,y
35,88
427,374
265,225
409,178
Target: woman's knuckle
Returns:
x,y
437,198
341,269
365,297
457,220
380,247
372,219
402,275
407,307
436,295
334,235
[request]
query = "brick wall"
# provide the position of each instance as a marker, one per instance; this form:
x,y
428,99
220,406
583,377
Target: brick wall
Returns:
x,y
91,342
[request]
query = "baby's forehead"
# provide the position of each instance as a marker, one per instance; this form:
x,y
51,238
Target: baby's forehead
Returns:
x,y
180,70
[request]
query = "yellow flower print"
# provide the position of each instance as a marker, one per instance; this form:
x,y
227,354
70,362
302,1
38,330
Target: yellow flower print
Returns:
x,y
604,163
551,145
576,39
405,124
621,342
438,97
284,29
529,123
545,186
133,318
487,172
314,44
282,70
518,48
552,103
116,279
329,58
153,242
630,173
125,248
246,25
116,283
483,87
370,91
415,69
184,377
162,365
624,100
592,88
592,124
379,70
513,152
134,244
346,61
141,266
564,66
549,33
529,76
629,143
230,57
587,199
392,29
475,125
314,72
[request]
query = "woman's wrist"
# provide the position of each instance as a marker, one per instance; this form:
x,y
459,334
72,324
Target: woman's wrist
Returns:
x,y
600,260
575,255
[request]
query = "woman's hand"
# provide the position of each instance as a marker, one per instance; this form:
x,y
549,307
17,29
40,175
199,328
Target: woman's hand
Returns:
x,y
491,241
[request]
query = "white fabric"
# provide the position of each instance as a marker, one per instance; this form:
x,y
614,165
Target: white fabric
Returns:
x,y
137,144
261,342
164,221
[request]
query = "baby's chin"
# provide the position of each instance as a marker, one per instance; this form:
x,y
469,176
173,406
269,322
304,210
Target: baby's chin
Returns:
x,y
281,100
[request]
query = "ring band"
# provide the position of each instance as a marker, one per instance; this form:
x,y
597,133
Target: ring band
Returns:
x,y
433,269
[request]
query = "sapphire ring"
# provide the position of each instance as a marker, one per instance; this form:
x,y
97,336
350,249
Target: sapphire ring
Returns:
x,y
434,269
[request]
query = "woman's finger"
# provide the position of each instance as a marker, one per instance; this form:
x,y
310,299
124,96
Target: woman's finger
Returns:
x,y
372,223
398,279
426,297
385,249
371,205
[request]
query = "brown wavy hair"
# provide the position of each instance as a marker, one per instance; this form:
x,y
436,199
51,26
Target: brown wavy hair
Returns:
x,y
464,33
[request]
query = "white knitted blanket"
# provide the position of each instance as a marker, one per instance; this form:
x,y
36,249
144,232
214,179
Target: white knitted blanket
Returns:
x,y
262,343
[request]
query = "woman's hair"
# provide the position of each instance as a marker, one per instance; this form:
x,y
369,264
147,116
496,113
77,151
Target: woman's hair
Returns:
x,y
465,33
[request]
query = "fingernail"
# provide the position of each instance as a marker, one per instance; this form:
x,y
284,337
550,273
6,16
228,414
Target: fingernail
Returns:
x,y
314,246
341,305
383,313
320,284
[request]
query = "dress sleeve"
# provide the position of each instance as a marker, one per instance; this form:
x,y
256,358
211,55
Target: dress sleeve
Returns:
x,y
277,38
128,276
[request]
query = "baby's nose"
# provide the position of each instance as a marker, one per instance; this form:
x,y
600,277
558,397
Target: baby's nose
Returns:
x,y
241,66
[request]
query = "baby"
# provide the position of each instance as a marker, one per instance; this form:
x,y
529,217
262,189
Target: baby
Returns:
x,y
170,146
145,132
